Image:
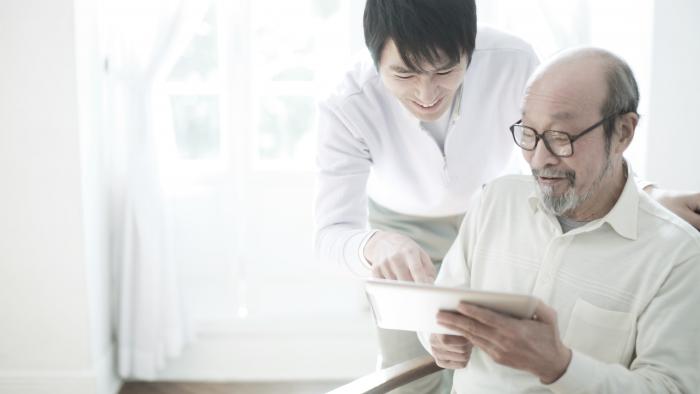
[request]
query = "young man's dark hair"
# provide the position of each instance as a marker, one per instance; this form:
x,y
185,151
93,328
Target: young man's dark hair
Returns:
x,y
421,28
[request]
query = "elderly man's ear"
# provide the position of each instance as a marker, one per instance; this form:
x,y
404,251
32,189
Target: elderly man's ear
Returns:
x,y
624,131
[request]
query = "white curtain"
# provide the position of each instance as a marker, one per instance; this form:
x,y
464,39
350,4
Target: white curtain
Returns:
x,y
141,40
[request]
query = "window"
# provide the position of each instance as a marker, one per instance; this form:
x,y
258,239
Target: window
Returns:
x,y
194,88
295,45
248,81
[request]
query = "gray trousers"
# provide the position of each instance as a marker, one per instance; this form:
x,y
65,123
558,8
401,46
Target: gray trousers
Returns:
x,y
435,236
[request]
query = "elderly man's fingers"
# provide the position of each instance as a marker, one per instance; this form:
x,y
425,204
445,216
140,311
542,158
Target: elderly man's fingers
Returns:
x,y
451,364
437,339
455,340
491,349
545,313
453,343
483,315
446,355
463,324
477,336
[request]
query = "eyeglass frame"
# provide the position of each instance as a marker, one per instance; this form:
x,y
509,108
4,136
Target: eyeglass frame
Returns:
x,y
540,136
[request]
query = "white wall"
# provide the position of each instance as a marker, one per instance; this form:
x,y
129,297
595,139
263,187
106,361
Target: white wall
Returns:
x,y
54,335
674,127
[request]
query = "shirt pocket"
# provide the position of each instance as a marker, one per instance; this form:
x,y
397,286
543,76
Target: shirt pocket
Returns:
x,y
600,333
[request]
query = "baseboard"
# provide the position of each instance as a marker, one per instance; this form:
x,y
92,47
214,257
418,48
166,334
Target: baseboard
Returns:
x,y
27,382
100,380
107,380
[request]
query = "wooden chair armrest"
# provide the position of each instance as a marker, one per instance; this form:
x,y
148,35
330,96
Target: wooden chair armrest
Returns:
x,y
390,378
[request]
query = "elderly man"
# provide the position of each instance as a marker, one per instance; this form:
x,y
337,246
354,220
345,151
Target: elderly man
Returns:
x,y
616,272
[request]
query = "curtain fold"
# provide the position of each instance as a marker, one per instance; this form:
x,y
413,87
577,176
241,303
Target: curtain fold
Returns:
x,y
141,40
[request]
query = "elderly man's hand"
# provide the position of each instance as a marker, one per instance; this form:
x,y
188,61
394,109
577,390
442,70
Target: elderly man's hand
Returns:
x,y
529,345
684,204
397,257
450,351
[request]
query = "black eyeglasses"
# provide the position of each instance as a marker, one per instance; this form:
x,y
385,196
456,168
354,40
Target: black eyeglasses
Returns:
x,y
558,143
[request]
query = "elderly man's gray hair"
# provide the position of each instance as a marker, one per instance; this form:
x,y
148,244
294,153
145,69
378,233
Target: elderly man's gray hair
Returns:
x,y
623,93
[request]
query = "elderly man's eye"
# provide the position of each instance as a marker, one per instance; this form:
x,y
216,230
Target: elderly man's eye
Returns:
x,y
528,137
558,139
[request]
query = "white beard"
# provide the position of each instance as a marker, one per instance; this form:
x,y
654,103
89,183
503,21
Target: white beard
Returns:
x,y
569,201
559,205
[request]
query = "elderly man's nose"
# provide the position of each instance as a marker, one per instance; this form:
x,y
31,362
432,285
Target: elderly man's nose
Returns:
x,y
541,156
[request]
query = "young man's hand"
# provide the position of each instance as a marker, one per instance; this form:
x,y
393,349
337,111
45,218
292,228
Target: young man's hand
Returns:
x,y
397,257
450,351
684,204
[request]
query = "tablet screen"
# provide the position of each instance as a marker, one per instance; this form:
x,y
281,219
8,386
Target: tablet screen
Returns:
x,y
414,306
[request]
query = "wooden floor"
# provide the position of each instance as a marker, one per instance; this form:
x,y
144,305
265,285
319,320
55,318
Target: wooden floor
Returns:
x,y
229,388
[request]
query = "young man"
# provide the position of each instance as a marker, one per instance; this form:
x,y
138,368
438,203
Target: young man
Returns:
x,y
419,130
616,273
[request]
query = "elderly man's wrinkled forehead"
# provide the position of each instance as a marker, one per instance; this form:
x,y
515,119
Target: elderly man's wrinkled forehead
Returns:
x,y
572,85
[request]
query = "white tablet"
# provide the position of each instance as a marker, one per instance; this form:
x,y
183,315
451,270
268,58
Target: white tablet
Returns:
x,y
414,306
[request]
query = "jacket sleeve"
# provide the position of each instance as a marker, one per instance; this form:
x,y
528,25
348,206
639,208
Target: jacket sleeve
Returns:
x,y
343,165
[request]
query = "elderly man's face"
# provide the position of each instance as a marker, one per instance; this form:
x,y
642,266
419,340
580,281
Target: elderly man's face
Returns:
x,y
568,99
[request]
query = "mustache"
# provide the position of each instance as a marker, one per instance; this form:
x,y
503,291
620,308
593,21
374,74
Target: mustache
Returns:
x,y
549,172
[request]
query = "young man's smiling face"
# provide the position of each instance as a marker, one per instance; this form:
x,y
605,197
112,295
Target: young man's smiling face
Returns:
x,y
426,93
